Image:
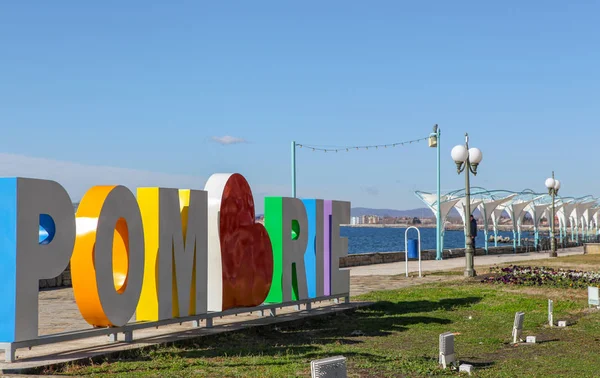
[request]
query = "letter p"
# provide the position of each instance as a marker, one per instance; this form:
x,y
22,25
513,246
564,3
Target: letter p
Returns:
x,y
30,209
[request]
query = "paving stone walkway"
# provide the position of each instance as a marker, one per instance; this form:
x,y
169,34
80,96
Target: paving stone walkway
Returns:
x,y
398,268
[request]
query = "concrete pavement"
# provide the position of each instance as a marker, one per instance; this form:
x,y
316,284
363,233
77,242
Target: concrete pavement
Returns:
x,y
453,263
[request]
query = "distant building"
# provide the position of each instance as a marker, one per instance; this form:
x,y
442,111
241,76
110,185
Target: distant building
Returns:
x,y
365,219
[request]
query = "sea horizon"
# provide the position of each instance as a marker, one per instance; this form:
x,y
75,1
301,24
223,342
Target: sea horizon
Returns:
x,y
391,239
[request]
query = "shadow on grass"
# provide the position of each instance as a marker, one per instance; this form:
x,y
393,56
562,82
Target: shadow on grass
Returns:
x,y
546,341
305,340
476,362
294,342
478,365
423,306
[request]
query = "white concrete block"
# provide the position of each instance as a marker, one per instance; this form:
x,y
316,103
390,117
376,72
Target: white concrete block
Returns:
x,y
531,339
466,368
562,323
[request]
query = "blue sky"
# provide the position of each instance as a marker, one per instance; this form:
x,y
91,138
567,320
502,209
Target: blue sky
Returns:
x,y
136,92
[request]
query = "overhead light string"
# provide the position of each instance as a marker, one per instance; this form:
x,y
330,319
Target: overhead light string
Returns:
x,y
366,148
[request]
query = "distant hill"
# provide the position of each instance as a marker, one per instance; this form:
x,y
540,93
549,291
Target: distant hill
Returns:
x,y
422,212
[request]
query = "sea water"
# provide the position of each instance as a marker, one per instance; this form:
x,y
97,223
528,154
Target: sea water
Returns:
x,y
375,239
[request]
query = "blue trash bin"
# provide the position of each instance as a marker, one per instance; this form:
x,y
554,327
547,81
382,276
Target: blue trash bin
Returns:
x,y
413,249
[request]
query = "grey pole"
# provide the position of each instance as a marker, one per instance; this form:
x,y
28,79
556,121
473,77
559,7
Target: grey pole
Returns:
x,y
469,251
553,253
439,244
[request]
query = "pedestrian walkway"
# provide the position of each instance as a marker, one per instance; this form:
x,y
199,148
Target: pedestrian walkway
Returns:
x,y
453,263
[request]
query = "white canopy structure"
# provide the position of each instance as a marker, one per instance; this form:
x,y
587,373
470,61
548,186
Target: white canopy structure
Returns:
x,y
567,210
446,207
559,213
583,213
594,216
447,204
461,207
537,210
515,210
577,213
490,209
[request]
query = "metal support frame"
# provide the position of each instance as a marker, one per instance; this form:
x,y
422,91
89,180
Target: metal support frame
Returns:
x,y
127,330
406,248
495,235
128,336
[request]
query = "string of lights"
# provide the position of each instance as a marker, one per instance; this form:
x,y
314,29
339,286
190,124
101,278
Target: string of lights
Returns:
x,y
350,148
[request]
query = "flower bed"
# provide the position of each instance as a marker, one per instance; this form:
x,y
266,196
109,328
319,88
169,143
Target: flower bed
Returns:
x,y
538,276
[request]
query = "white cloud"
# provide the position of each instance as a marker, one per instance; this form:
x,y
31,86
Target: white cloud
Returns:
x,y
228,140
77,178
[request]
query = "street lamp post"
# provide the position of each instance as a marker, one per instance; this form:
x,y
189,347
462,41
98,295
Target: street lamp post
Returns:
x,y
434,141
553,186
294,169
467,159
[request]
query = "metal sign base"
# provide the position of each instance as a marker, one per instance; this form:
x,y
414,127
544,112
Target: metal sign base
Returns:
x,y
127,330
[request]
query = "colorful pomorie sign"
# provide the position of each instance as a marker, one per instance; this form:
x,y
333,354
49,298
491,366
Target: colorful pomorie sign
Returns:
x,y
168,253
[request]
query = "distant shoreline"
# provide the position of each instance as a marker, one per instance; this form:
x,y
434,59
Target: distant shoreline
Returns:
x,y
526,228
395,225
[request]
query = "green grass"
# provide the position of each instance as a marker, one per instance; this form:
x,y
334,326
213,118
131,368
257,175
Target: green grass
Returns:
x,y
400,339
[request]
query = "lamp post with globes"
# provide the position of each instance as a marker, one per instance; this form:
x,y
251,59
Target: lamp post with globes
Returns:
x,y
467,159
553,186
